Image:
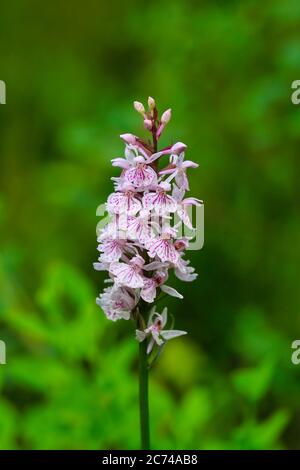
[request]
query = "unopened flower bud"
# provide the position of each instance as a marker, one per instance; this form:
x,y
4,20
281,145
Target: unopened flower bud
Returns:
x,y
148,124
166,117
139,107
151,103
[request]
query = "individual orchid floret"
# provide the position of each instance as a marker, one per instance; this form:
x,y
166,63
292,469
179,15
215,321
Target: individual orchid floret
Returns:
x,y
129,274
183,208
160,201
115,229
177,169
163,246
117,303
140,175
184,204
183,271
111,250
124,202
142,227
155,329
148,292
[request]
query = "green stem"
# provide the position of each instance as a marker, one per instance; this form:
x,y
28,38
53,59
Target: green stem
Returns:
x,y
144,396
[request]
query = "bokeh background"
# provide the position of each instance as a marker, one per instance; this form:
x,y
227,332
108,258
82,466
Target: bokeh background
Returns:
x,y
72,70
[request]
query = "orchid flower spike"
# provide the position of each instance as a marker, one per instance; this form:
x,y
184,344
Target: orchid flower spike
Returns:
x,y
138,247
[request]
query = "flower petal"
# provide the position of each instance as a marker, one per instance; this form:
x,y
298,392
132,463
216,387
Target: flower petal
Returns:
x,y
170,334
171,291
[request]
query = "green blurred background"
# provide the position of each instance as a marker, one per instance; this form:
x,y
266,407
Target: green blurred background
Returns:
x,y
72,70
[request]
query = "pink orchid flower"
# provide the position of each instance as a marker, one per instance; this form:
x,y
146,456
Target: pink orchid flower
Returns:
x,y
117,303
112,250
155,329
148,292
183,271
143,227
124,202
130,274
140,175
177,169
163,246
160,201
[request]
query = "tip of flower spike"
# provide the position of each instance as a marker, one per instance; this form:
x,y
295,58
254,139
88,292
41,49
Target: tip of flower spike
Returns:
x,y
139,107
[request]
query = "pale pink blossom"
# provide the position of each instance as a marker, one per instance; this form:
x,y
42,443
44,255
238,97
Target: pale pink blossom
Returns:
x,y
160,201
183,207
148,292
112,250
117,303
183,271
115,229
163,247
142,227
155,329
130,274
177,169
124,202
140,175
